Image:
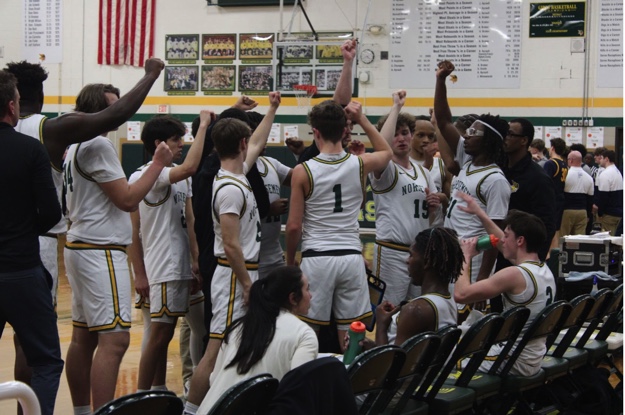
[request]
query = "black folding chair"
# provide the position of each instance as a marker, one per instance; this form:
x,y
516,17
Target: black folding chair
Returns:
x,y
377,287
374,370
147,402
249,397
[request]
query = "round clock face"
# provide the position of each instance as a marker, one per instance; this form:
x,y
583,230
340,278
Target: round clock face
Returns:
x,y
367,56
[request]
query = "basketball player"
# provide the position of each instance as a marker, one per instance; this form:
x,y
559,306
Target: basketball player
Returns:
x,y
164,248
326,195
405,204
237,234
98,201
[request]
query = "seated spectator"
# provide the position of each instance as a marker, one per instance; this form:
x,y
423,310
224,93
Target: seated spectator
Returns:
x,y
270,338
435,262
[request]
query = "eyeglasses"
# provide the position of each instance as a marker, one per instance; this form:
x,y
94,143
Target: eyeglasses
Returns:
x,y
511,134
474,132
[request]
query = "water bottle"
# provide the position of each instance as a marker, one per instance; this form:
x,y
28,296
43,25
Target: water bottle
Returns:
x,y
486,242
594,285
356,333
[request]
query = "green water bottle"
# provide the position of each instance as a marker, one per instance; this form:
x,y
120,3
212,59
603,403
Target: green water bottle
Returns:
x,y
356,333
486,242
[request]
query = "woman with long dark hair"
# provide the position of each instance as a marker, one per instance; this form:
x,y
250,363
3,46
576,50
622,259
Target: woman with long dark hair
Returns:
x,y
270,338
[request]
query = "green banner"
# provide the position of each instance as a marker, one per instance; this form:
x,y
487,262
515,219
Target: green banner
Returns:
x,y
558,19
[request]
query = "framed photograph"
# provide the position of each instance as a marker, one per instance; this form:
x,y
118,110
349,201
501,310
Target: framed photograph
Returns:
x,y
182,48
327,77
294,75
181,80
255,80
256,46
329,54
218,79
296,53
219,48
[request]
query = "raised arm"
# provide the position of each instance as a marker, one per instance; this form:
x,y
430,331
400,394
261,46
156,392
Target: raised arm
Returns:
x,y
451,165
75,127
343,91
390,125
449,133
258,141
192,160
381,150
473,208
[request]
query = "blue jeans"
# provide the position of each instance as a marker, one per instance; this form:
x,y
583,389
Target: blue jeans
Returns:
x,y
26,304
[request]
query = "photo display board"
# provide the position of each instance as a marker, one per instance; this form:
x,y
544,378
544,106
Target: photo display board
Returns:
x,y
482,38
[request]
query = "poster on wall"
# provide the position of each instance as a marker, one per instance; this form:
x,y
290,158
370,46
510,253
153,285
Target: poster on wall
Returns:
x,y
558,19
327,77
219,48
482,40
610,44
294,75
42,22
550,133
218,79
181,80
181,49
255,80
594,137
256,48
298,53
574,136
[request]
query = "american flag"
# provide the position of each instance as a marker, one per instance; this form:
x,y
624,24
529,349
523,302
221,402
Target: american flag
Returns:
x,y
126,35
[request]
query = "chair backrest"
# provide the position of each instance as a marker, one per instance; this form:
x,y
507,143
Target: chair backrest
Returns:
x,y
24,395
375,368
318,387
514,321
581,306
377,287
249,397
147,402
548,321
474,345
612,314
603,299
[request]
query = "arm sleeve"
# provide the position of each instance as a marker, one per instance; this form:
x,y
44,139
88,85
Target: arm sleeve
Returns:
x,y
44,191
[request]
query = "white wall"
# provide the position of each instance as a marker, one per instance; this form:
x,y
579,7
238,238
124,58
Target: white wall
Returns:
x,y
548,70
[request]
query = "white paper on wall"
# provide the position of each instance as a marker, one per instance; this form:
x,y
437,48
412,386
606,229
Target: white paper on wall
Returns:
x,y
573,135
188,137
133,130
274,134
594,137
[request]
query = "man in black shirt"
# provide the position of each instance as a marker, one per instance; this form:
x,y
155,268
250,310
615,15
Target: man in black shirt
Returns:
x,y
31,209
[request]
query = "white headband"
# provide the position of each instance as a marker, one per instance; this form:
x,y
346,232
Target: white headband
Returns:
x,y
491,127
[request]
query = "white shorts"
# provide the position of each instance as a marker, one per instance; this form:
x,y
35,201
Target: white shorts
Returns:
x,y
338,284
227,298
48,251
100,282
169,300
391,266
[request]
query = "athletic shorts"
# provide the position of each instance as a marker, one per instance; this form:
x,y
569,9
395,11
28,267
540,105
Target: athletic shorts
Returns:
x,y
196,298
391,266
100,282
169,300
338,284
48,251
227,297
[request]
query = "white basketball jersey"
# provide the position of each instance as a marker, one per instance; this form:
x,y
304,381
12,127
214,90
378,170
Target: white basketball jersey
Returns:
x,y
540,291
437,171
333,202
32,125
93,216
400,207
445,310
164,228
273,173
232,194
490,189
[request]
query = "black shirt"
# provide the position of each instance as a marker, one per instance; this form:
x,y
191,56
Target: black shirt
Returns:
x,y
30,206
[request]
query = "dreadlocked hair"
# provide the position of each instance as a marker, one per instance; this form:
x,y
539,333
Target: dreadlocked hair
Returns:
x,y
467,120
441,250
30,78
492,144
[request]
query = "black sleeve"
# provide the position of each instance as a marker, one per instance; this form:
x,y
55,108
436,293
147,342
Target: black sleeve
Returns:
x,y
44,191
310,152
260,192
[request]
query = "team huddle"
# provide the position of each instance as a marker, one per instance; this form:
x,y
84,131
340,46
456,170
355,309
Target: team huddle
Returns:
x,y
203,236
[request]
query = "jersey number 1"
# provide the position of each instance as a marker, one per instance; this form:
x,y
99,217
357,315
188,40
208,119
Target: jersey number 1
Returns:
x,y
337,198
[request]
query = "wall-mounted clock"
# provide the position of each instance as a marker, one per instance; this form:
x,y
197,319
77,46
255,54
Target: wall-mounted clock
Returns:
x,y
367,56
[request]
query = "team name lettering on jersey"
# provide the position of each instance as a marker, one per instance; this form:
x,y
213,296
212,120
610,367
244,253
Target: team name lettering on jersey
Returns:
x,y
272,188
458,185
412,188
180,196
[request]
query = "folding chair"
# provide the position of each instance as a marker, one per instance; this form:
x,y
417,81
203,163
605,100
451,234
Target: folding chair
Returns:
x,y
474,346
249,397
377,287
24,395
548,322
374,370
488,384
319,387
420,350
146,402
598,347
